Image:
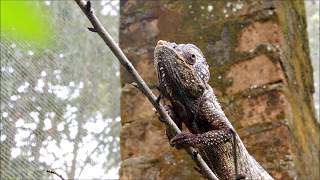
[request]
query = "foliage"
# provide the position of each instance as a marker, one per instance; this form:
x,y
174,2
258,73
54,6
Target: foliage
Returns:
x,y
21,20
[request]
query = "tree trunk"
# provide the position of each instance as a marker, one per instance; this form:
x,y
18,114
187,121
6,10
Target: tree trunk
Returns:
x,y
260,69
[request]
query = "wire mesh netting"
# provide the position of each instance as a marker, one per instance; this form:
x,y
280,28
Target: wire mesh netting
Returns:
x,y
60,104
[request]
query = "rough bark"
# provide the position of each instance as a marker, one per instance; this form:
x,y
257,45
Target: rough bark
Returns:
x,y
260,69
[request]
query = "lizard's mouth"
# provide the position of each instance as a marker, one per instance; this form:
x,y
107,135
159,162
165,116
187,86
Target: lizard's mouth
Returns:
x,y
166,58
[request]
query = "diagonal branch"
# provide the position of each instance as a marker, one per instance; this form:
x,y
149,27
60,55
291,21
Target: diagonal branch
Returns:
x,y
98,28
55,173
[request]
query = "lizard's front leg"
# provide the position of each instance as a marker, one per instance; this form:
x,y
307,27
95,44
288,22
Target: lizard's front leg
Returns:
x,y
219,132
210,138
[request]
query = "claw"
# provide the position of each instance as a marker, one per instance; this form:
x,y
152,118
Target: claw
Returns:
x,y
181,140
169,110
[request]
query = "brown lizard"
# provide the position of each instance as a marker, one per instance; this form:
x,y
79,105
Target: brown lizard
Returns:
x,y
183,76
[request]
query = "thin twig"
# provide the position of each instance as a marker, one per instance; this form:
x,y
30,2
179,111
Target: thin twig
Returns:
x,y
55,173
99,29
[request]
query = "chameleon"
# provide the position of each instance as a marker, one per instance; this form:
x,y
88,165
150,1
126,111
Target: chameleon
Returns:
x,y
183,76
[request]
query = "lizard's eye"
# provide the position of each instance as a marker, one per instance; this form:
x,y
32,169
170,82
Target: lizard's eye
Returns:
x,y
192,59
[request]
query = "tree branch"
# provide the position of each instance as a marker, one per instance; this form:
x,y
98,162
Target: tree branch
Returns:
x,y
98,28
55,173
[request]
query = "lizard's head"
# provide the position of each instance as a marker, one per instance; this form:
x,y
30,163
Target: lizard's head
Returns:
x,y
181,69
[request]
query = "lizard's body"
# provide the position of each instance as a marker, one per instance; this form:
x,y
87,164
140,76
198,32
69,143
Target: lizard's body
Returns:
x,y
183,78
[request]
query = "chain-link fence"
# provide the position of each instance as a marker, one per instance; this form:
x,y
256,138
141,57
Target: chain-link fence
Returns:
x,y
60,104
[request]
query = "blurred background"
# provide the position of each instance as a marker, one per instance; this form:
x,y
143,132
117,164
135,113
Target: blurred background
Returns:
x,y
60,97
60,93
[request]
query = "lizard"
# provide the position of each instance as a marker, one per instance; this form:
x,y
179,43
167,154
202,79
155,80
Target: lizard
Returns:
x,y
183,75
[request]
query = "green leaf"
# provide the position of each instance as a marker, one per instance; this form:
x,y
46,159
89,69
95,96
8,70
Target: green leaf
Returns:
x,y
26,21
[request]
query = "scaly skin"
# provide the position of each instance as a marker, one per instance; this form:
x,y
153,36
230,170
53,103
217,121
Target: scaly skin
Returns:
x,y
183,79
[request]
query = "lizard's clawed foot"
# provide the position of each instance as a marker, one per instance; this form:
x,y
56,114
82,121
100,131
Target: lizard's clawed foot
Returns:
x,y
182,140
170,111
